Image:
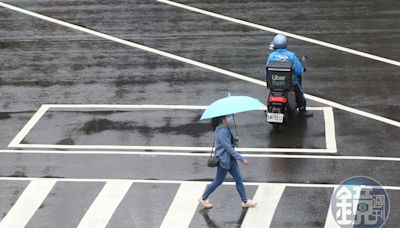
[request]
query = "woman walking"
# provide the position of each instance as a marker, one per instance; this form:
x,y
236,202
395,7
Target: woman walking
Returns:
x,y
228,157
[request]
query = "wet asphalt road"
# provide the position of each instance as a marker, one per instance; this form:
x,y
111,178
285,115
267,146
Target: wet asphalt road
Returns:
x,y
45,63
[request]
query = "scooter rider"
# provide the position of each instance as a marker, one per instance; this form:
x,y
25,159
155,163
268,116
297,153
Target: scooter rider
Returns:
x,y
282,54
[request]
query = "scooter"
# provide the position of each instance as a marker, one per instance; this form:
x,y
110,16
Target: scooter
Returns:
x,y
281,102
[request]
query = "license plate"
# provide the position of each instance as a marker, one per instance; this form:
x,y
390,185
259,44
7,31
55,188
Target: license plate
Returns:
x,y
275,117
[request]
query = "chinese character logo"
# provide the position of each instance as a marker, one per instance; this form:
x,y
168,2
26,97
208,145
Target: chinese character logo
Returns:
x,y
360,202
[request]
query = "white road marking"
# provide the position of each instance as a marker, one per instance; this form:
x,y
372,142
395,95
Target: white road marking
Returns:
x,y
27,204
269,29
103,207
204,154
171,148
330,147
179,214
353,110
301,185
184,205
330,135
267,198
195,63
126,106
129,43
73,107
31,123
330,221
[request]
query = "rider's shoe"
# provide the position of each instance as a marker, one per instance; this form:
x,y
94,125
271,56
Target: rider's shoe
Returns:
x,y
304,113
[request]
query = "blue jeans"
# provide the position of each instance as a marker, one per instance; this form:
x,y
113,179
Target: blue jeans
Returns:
x,y
221,174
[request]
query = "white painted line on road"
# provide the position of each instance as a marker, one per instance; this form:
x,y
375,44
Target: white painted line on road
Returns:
x,y
129,43
184,205
45,107
73,107
330,221
27,204
353,110
20,136
196,63
171,148
269,29
103,207
330,135
31,123
267,198
126,106
302,185
204,154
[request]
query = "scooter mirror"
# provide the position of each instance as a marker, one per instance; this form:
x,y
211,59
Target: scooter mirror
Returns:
x,y
304,58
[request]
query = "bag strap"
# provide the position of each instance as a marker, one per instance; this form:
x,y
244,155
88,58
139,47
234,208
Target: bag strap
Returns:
x,y
212,148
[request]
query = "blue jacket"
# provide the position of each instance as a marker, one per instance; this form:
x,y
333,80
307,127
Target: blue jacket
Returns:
x,y
284,55
223,147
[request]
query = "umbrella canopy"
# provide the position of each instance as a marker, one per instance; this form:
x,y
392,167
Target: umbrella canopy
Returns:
x,y
231,105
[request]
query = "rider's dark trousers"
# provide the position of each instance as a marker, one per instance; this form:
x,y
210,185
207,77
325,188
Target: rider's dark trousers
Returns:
x,y
300,99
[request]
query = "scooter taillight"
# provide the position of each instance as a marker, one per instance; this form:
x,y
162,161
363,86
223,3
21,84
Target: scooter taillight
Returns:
x,y
277,99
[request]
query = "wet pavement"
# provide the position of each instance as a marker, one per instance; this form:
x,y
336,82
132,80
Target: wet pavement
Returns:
x,y
46,63
168,128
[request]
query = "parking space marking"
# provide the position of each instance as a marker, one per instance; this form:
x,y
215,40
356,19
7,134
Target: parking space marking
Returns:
x,y
103,207
267,198
27,204
273,30
196,63
16,142
184,205
45,107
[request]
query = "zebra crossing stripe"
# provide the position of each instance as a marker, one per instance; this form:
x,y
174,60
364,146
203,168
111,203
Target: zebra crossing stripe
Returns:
x,y
27,204
103,207
330,220
183,206
267,197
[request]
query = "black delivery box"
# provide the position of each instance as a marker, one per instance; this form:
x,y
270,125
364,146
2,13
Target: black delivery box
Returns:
x,y
279,75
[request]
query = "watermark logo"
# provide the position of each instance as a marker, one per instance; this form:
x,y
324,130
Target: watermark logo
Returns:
x,y
360,202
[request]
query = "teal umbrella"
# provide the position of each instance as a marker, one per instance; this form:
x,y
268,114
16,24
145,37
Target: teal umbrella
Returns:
x,y
231,105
